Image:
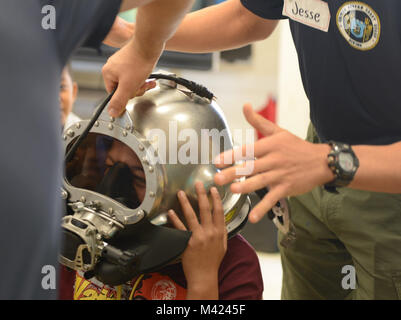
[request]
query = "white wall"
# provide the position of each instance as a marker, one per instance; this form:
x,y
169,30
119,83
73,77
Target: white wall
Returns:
x,y
293,105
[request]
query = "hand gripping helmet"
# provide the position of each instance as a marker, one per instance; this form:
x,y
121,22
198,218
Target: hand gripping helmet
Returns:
x,y
122,176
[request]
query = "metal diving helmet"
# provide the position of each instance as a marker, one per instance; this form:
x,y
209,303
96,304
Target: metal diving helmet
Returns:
x,y
122,176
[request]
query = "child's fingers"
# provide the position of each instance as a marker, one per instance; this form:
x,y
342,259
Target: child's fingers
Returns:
x,y
177,223
203,202
189,213
218,211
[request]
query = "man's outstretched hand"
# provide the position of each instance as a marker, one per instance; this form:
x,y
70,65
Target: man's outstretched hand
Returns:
x,y
284,163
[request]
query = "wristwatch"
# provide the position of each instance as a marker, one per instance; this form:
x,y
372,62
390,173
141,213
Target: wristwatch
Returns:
x,y
343,163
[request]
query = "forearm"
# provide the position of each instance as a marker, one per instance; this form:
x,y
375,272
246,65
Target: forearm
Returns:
x,y
224,26
379,168
132,4
156,22
205,289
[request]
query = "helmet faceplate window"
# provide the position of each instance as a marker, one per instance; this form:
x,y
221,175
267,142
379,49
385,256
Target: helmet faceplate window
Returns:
x,y
108,166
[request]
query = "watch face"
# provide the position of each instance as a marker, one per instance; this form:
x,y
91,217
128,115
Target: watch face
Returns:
x,y
346,161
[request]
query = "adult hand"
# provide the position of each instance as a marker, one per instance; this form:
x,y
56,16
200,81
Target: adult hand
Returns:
x,y
120,33
284,163
207,246
126,71
145,87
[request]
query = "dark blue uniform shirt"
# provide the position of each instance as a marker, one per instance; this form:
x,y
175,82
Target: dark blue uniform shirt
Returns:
x,y
31,60
352,73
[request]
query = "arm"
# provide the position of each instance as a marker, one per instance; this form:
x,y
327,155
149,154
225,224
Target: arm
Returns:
x,y
197,33
220,27
207,246
120,33
379,168
132,4
156,22
128,69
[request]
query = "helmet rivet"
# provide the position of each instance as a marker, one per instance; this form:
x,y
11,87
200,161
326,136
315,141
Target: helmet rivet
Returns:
x,y
96,124
125,133
145,160
64,194
111,119
141,147
110,211
83,199
78,125
151,169
152,194
111,127
70,133
64,137
128,127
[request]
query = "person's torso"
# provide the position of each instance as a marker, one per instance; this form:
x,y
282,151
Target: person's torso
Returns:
x,y
352,73
36,37
239,278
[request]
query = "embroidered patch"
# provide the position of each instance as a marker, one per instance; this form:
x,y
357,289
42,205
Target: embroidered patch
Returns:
x,y
359,24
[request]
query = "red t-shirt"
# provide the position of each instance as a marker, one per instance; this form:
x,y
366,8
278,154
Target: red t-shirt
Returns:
x,y
240,278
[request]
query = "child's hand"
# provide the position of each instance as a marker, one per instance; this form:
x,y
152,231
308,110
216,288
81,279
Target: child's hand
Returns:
x,y
207,246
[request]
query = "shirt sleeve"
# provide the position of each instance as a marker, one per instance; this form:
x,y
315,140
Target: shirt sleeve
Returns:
x,y
240,276
267,9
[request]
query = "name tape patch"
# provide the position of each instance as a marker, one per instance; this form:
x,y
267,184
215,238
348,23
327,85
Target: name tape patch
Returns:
x,y
313,13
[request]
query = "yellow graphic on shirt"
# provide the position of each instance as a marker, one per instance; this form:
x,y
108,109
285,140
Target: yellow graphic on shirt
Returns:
x,y
86,290
152,286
